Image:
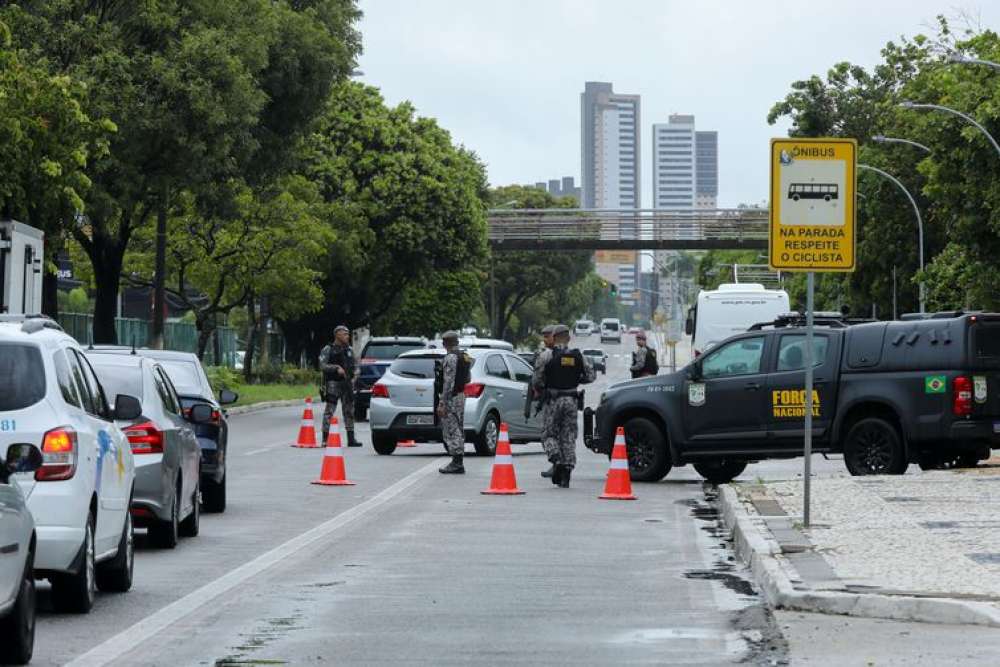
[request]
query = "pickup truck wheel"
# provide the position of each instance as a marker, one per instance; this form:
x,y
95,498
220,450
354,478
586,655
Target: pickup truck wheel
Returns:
x,y
383,444
486,439
873,447
722,471
648,456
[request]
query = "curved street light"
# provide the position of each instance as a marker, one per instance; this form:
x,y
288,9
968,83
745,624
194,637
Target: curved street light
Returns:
x,y
937,107
920,223
882,139
962,59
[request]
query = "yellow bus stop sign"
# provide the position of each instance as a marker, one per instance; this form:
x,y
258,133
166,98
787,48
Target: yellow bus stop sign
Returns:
x,y
813,225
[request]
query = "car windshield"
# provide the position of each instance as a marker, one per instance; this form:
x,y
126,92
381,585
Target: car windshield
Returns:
x,y
118,379
185,375
987,342
22,376
421,368
388,351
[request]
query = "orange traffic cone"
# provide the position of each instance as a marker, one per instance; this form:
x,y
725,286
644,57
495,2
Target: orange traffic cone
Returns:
x,y
619,484
503,483
333,472
307,430
406,443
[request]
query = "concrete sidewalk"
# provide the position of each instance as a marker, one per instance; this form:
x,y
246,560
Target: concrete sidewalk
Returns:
x,y
922,546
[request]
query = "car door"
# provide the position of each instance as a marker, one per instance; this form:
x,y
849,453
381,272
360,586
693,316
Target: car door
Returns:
x,y
110,479
522,372
185,443
786,388
724,405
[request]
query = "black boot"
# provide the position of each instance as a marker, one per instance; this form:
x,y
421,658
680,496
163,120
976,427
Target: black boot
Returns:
x,y
453,468
351,442
556,473
564,475
548,473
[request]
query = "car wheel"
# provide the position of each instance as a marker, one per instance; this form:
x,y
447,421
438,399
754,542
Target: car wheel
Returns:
x,y
75,592
18,627
722,471
383,444
873,447
648,456
191,525
213,497
967,460
115,575
164,534
486,439
360,413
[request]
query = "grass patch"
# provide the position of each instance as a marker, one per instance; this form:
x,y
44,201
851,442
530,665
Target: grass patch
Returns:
x,y
261,393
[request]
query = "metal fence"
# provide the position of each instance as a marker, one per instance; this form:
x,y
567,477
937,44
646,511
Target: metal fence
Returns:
x,y
181,336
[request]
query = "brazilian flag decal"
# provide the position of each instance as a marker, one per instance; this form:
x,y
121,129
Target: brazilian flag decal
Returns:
x,y
935,384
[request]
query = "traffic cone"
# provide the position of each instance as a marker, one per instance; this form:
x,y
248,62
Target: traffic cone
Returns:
x,y
406,443
503,483
333,472
307,430
619,484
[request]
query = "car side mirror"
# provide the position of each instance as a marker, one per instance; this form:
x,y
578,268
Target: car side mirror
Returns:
x,y
227,397
200,413
127,408
694,372
689,324
20,458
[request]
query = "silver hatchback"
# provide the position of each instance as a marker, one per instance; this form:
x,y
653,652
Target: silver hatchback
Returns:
x,y
402,406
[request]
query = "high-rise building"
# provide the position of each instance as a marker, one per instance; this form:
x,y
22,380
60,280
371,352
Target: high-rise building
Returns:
x,y
674,171
566,187
610,145
706,148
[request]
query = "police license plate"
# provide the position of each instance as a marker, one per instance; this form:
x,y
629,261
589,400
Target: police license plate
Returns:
x,y
419,420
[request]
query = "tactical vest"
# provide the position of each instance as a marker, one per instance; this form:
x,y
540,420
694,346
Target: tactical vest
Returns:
x,y
650,367
463,374
343,357
564,370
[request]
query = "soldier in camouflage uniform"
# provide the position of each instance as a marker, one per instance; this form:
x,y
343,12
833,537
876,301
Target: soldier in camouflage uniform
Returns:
x,y
559,373
339,374
547,342
451,404
644,358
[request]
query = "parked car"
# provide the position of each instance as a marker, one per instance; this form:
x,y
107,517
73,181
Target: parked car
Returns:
x,y
17,558
598,358
376,356
403,401
79,497
166,450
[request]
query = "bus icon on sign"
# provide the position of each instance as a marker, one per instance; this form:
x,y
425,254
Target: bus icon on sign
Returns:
x,y
824,191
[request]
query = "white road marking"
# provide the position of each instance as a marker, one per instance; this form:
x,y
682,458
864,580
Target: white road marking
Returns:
x,y
133,637
252,452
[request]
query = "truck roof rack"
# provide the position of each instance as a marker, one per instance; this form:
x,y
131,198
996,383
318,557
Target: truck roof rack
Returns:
x,y
32,323
940,315
820,319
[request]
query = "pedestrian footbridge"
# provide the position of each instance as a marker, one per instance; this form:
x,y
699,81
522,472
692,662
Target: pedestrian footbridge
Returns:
x,y
627,229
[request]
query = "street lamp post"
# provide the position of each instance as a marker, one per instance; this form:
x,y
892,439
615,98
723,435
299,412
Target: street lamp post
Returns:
x,y
937,107
882,139
962,59
920,224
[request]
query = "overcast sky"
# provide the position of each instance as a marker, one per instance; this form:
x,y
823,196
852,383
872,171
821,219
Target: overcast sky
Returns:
x,y
505,76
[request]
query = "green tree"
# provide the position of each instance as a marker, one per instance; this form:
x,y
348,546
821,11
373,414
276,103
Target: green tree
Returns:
x,y
445,300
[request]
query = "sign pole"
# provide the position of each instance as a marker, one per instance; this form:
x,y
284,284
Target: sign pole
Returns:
x,y
807,473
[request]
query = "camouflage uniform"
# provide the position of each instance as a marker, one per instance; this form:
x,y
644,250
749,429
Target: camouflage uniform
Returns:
x,y
452,428
339,389
559,421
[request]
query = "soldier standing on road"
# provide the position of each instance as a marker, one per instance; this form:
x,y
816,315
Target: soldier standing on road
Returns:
x,y
451,405
547,342
339,374
644,358
559,374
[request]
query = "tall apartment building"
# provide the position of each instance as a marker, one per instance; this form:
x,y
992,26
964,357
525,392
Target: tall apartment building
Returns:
x,y
706,148
566,187
674,172
610,144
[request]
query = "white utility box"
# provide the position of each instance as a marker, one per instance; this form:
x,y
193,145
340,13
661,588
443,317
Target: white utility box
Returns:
x,y
21,249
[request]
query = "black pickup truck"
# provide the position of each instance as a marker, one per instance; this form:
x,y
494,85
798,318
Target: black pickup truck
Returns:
x,y
887,394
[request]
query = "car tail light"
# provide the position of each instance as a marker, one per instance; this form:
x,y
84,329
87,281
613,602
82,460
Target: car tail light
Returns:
x,y
379,390
145,438
474,390
59,455
963,396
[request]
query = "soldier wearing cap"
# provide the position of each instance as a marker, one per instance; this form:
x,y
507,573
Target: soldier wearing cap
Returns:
x,y
644,358
558,374
451,402
337,363
548,343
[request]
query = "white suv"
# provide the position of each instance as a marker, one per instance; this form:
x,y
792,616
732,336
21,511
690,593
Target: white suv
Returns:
x,y
79,497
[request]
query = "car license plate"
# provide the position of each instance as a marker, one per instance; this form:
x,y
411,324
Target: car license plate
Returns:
x,y
419,420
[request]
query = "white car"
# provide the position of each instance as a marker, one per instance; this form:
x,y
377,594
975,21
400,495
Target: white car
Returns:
x,y
17,558
611,330
79,497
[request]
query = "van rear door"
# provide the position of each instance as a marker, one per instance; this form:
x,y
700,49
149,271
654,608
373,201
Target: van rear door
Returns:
x,y
984,352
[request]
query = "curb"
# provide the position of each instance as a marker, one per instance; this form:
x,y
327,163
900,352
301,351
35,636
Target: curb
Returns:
x,y
761,553
266,405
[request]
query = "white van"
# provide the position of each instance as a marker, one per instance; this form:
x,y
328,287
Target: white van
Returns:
x,y
611,330
731,309
583,328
